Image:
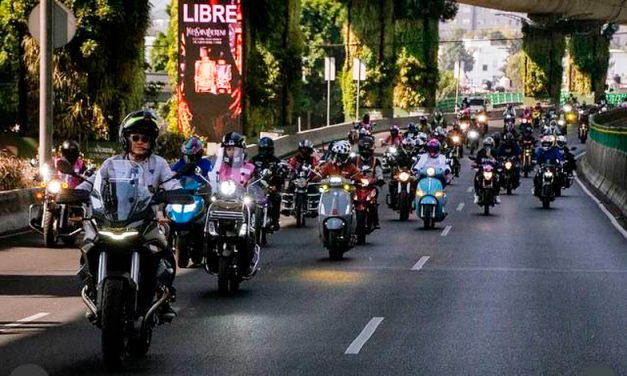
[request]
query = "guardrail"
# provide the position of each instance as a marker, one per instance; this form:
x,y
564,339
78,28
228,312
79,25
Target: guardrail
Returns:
x,y
496,99
605,163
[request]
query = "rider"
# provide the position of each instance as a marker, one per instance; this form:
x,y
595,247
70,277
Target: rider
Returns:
x,y
340,163
456,131
438,119
305,154
411,132
570,164
487,154
423,124
510,110
394,138
367,158
265,159
465,103
70,151
509,149
546,153
192,152
433,158
138,133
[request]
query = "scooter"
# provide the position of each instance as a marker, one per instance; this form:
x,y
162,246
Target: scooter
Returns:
x,y
430,196
336,216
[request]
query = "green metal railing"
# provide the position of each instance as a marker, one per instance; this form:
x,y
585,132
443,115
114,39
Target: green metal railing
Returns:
x,y
496,99
610,129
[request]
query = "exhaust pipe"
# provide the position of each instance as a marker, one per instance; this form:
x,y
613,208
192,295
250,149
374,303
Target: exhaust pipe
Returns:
x,y
256,259
88,302
158,303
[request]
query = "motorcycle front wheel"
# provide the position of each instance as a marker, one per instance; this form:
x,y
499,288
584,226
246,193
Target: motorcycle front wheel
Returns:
x,y
51,229
335,246
403,206
181,250
361,227
228,283
112,324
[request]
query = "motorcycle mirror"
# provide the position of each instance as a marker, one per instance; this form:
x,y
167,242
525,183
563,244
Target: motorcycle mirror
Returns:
x,y
65,167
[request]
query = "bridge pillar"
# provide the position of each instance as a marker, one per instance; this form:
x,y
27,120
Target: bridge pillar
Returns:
x,y
589,55
369,36
543,50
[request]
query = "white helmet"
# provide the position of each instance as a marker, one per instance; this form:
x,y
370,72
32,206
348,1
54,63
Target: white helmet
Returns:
x,y
561,141
341,151
547,142
488,141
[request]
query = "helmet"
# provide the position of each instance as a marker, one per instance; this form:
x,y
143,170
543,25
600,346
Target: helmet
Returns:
x,y
561,141
508,138
528,130
233,139
394,130
411,128
143,122
488,142
366,119
423,120
265,147
439,131
433,148
547,142
364,132
192,150
510,106
70,150
341,151
305,147
422,138
366,146
437,115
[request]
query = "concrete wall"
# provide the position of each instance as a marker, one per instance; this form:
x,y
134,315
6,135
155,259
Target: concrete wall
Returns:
x,y
606,167
14,209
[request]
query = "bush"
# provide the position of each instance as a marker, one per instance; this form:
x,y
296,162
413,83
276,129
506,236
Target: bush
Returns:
x,y
15,173
169,145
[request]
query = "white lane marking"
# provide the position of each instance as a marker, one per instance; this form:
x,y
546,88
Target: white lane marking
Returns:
x,y
446,230
364,336
603,209
25,320
423,260
469,189
460,207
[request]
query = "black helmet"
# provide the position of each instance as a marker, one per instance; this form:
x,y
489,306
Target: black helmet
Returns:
x,y
366,119
366,146
233,139
143,122
305,147
423,120
266,147
70,150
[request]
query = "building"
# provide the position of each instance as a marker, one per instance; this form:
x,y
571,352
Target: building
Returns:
x,y
471,18
490,61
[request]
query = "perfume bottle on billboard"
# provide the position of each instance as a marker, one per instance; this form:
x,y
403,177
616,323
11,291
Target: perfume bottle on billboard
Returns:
x,y
223,77
205,73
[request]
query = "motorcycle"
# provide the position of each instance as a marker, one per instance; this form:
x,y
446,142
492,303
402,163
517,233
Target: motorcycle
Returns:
x,y
547,184
430,196
527,157
487,175
51,218
125,267
481,122
472,140
336,216
303,201
232,252
187,223
364,197
536,118
507,171
583,130
455,154
571,115
509,124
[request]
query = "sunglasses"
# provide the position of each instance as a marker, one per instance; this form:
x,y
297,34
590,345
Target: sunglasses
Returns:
x,y
138,137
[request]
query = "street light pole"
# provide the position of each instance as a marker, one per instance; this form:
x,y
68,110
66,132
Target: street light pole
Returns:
x,y
45,81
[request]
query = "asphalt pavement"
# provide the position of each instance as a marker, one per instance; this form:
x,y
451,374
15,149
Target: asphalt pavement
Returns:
x,y
522,291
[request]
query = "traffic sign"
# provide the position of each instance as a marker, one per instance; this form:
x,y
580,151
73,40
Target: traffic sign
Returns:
x,y
329,69
359,70
63,24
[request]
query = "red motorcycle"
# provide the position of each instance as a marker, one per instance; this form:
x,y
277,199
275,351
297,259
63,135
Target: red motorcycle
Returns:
x,y
364,199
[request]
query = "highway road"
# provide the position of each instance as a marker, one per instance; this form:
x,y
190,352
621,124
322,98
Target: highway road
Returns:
x,y
522,291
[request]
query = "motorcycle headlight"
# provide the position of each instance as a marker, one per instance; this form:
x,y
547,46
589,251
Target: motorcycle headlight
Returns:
x,y
473,134
456,139
568,108
403,176
464,126
324,188
227,188
54,186
117,236
419,193
548,174
392,150
508,165
487,175
439,194
482,118
247,200
184,208
560,122
431,171
347,187
45,172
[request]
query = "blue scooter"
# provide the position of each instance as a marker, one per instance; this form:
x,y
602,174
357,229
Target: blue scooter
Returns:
x,y
430,196
188,222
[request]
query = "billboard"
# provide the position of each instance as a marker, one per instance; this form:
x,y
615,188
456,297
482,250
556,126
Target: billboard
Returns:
x,y
210,69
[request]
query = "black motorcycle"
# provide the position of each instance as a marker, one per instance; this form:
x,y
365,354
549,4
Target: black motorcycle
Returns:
x,y
486,175
126,264
301,198
547,185
508,172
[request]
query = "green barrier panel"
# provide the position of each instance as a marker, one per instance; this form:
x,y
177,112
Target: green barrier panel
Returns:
x,y
612,137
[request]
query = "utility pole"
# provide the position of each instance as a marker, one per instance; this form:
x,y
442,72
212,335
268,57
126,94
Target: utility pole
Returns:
x,y
45,81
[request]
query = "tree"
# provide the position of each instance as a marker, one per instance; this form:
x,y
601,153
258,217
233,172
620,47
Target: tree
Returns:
x,y
513,70
446,85
454,52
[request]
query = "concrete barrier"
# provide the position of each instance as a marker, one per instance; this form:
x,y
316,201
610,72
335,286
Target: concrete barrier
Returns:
x,y
14,209
605,163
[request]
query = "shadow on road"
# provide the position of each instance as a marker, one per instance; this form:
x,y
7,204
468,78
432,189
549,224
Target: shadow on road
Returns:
x,y
39,285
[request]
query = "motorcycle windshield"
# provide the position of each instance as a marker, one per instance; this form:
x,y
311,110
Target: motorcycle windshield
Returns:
x,y
119,191
336,202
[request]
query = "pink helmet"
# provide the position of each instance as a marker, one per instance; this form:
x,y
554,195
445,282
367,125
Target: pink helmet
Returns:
x,y
433,147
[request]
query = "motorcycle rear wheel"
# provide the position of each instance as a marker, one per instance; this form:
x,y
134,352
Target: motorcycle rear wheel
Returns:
x,y
112,324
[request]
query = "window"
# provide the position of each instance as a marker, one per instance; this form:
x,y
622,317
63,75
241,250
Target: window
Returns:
x,y
485,67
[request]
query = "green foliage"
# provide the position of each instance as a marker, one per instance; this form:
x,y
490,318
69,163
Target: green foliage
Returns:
x,y
542,68
159,52
453,52
442,10
513,70
446,85
169,145
406,91
589,53
15,173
